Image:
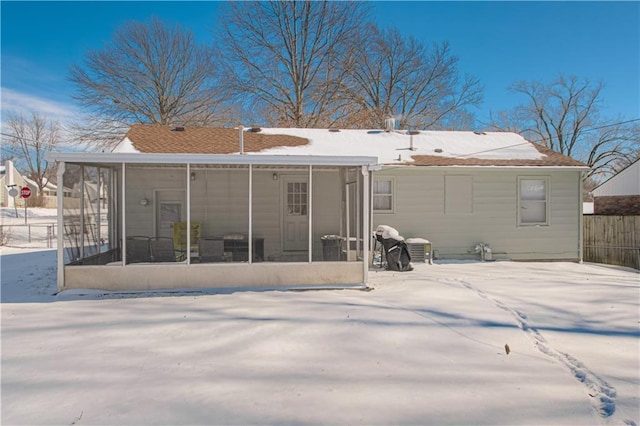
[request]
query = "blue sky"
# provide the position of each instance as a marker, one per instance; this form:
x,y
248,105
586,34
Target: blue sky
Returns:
x,y
499,42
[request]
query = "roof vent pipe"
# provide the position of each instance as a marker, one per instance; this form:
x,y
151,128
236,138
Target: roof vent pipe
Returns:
x,y
411,133
389,124
241,140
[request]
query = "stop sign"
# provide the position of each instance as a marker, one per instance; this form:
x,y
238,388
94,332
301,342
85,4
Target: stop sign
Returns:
x,y
25,192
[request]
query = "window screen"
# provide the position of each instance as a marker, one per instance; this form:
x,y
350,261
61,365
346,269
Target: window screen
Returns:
x,y
383,195
533,201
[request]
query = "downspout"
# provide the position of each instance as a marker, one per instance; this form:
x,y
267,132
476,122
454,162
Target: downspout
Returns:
x,y
60,251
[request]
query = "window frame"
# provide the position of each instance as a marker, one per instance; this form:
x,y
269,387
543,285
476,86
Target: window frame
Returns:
x,y
546,201
391,194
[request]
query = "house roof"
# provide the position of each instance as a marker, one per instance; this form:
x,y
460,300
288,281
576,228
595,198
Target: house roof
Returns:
x,y
625,182
430,148
201,140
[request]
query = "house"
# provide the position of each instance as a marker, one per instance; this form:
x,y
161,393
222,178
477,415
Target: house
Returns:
x,y
10,178
282,207
620,194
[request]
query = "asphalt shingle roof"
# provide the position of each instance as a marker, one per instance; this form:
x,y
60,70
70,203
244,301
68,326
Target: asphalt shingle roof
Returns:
x,y
217,140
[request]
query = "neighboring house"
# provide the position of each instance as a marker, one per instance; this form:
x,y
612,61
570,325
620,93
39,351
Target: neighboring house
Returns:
x,y
9,176
620,194
264,205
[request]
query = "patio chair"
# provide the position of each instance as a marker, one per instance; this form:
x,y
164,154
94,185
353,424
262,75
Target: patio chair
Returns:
x,y
162,250
211,250
138,250
180,239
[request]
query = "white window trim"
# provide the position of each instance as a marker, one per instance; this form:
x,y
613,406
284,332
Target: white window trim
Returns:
x,y
547,180
392,194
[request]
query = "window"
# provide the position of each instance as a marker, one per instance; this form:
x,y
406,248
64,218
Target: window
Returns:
x,y
458,198
383,195
533,196
297,198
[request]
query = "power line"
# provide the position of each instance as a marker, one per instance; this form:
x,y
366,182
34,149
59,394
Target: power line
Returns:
x,y
30,142
619,123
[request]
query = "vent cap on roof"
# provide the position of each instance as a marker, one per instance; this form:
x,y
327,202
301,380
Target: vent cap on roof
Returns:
x,y
178,129
389,124
255,129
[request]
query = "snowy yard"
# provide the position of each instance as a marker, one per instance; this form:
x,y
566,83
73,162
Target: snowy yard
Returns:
x,y
423,347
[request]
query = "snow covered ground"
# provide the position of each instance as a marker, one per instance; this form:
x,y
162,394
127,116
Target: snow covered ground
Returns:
x,y
422,347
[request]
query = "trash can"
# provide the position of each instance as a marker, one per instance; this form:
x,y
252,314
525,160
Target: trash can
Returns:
x,y
331,247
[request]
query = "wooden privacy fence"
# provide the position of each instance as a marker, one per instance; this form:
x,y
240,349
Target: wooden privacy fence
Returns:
x,y
614,240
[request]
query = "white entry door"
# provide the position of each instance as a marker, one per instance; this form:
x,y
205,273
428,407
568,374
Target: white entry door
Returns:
x,y
295,226
169,209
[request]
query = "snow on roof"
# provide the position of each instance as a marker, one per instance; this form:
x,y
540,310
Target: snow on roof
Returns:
x,y
423,148
394,146
125,146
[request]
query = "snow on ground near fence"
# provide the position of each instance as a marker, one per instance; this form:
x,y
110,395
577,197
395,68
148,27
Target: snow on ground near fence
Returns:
x,y
39,230
422,347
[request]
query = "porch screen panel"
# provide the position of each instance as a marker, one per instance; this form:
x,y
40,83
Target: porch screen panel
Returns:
x,y
90,207
155,213
104,209
72,218
220,207
327,236
352,215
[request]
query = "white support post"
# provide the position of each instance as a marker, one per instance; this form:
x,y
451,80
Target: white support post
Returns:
x,y
60,251
188,214
99,219
366,224
580,218
358,213
348,196
310,213
250,242
124,215
82,224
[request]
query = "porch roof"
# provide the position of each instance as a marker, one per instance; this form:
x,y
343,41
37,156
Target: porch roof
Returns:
x,y
230,159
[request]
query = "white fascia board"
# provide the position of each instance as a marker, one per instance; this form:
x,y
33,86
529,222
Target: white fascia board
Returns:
x,y
409,167
235,159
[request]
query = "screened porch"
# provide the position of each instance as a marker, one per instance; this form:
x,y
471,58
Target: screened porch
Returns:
x,y
146,221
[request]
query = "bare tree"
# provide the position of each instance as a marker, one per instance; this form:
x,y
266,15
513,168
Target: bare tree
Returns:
x,y
564,114
399,76
34,137
286,59
148,73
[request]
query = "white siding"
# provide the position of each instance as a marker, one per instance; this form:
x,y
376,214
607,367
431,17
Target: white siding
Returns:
x,y
420,212
627,182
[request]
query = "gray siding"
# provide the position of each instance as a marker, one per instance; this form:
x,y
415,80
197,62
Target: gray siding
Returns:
x,y
419,211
